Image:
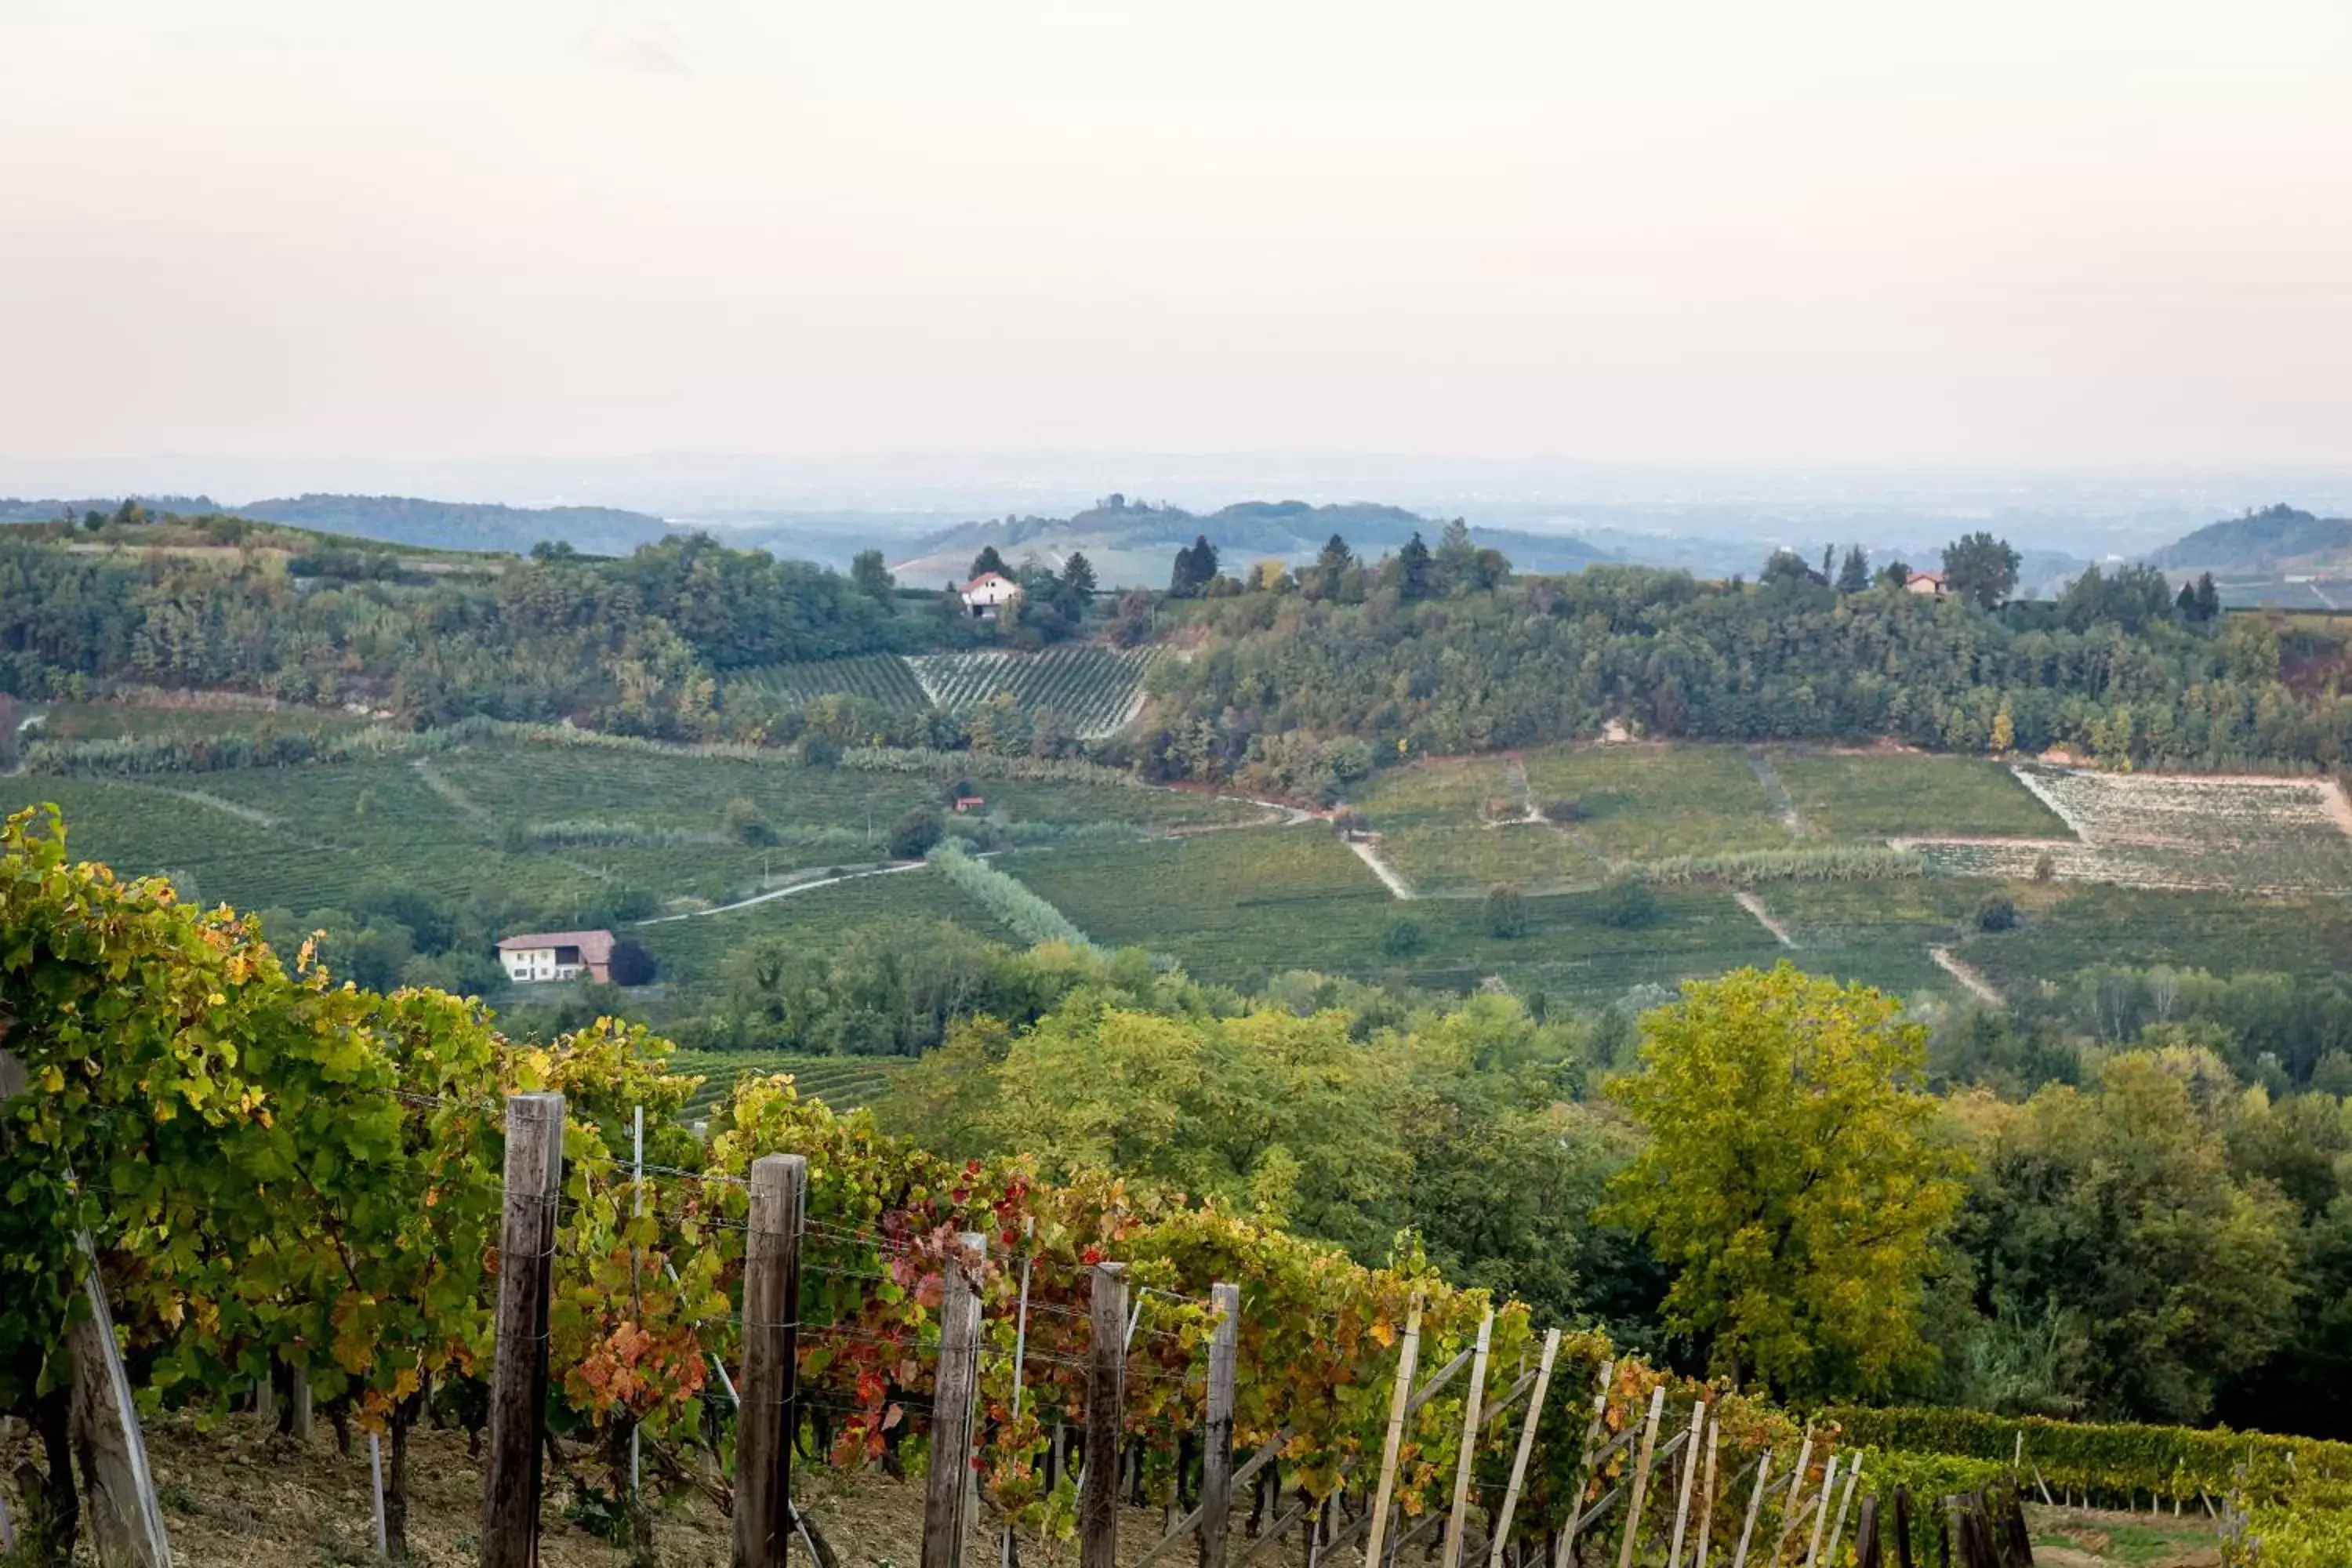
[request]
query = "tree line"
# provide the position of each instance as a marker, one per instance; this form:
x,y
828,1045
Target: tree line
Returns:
x,y
1448,658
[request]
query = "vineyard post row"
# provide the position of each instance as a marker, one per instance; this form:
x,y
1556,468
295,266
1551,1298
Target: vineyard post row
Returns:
x,y
769,1396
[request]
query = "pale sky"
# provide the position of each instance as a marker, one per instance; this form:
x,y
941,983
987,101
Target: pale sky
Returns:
x,y
2042,231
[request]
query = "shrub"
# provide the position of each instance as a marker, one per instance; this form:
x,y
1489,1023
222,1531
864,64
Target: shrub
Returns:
x,y
913,835
819,751
2045,866
1995,911
632,964
1504,913
1626,902
1403,937
741,821
1564,811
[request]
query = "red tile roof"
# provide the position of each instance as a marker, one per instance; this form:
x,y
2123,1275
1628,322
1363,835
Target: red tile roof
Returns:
x,y
596,946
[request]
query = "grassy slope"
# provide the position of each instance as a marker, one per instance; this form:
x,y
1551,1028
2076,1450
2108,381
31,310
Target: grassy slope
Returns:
x,y
1897,794
1645,803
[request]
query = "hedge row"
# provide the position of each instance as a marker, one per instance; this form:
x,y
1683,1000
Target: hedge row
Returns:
x,y
2119,1463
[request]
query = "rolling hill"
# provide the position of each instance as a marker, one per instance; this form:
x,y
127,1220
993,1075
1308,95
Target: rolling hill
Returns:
x,y
2276,540
1133,543
463,525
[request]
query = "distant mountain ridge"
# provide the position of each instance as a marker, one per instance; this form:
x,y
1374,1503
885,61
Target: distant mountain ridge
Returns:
x,y
463,525
2278,539
398,520
1134,544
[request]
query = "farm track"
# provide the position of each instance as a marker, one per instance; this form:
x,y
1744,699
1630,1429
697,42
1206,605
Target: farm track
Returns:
x,y
1784,804
1387,873
1967,976
784,892
252,813
1764,917
440,784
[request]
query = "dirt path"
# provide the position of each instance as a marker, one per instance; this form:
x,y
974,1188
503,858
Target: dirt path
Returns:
x,y
775,893
440,784
1961,971
1381,868
1755,906
1784,804
254,815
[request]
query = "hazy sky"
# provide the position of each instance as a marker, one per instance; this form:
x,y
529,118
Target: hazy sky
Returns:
x,y
2031,230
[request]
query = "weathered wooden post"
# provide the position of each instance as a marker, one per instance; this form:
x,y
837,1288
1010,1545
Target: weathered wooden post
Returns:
x,y
1901,1526
1755,1507
947,1503
769,1395
1106,1416
1641,1483
1526,1448
1408,1358
1837,1530
1867,1551
534,1178
1822,1511
1217,1430
1706,1497
1458,1520
102,1417
1564,1554
1687,1483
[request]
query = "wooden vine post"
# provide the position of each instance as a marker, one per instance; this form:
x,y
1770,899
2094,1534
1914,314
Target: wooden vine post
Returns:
x,y
1458,1522
1707,1494
102,1417
1564,1555
1217,1429
534,1178
1687,1483
1641,1485
1408,1360
947,1503
770,1389
1526,1446
1106,1418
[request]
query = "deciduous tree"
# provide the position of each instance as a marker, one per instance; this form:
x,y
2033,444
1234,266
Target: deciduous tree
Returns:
x,y
1793,1182
1979,567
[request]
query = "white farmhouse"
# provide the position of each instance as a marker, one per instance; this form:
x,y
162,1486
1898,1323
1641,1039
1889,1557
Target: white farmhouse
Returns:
x,y
557,955
989,593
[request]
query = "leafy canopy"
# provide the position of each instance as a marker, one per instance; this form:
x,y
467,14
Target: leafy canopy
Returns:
x,y
1793,1180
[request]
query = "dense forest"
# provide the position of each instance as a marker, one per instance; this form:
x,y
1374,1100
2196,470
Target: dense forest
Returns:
x,y
1441,654
636,644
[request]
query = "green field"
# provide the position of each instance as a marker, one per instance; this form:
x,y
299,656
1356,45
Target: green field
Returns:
x,y
1452,861
1442,791
1876,932
1646,803
2068,928
693,952
1238,906
1897,794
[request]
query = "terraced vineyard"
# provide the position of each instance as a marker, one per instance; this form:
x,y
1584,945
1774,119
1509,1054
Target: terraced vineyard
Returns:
x,y
884,679
1097,690
844,1083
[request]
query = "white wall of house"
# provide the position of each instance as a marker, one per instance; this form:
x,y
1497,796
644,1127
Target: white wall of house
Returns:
x,y
538,964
